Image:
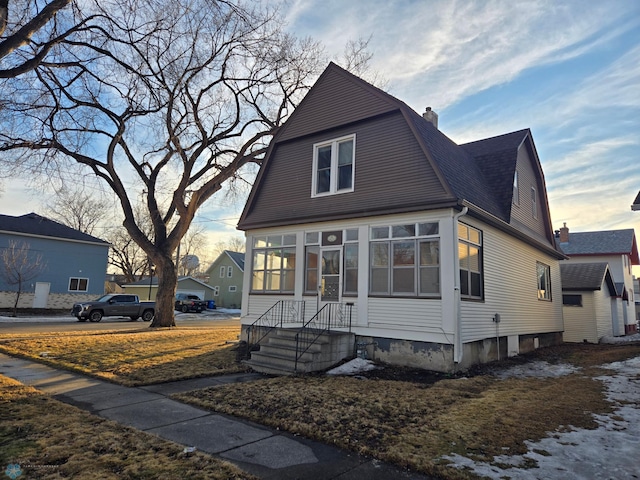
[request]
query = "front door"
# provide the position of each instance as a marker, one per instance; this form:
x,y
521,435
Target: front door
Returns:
x,y
330,281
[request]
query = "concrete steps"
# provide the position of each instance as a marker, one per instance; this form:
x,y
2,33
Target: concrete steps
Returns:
x,y
277,354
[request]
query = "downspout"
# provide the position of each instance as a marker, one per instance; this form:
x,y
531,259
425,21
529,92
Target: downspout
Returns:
x,y
457,301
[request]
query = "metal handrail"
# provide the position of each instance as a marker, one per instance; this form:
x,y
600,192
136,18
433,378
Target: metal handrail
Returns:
x,y
331,315
283,311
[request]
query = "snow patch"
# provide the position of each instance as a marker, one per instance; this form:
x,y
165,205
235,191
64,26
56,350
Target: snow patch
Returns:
x,y
538,369
608,452
353,367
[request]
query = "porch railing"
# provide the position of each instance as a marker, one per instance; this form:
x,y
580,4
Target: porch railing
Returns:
x,y
284,311
330,316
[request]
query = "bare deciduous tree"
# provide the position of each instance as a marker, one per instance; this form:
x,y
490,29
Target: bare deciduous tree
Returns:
x,y
26,40
78,209
18,264
164,102
233,244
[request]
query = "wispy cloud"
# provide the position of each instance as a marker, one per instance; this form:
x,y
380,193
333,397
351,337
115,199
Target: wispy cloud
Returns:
x,y
449,50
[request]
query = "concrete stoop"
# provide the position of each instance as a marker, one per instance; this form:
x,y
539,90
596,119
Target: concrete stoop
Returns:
x,y
277,354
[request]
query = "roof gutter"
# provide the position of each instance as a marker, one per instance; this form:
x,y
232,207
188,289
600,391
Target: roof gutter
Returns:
x,y
457,300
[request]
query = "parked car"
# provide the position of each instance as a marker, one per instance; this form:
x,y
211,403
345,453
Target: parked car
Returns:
x,y
114,305
188,302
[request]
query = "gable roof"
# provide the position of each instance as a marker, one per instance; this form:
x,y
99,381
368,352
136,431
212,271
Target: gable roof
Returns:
x,y
586,277
154,282
636,203
478,175
237,257
607,242
33,224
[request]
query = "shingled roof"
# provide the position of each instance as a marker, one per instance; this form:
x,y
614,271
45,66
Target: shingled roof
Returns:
x,y
237,257
636,203
586,277
34,224
607,242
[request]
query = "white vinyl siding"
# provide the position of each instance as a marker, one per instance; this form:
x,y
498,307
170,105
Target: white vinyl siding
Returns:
x,y
506,262
602,313
417,314
579,322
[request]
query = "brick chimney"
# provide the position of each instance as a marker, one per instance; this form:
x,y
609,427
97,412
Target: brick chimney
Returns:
x,y
564,233
431,116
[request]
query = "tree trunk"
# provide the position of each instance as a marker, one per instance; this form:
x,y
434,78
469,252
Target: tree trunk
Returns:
x,y
165,299
15,305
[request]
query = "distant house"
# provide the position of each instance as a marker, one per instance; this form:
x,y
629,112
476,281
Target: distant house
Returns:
x,y
636,296
636,203
366,216
226,276
75,263
147,288
617,248
589,299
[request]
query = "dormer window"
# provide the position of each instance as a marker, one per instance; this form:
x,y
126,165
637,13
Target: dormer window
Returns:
x,y
333,166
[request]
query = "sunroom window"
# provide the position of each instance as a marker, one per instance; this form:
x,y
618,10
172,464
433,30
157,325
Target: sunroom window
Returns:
x,y
273,264
405,260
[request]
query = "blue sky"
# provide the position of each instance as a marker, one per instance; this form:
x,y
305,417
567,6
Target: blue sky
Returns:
x,y
568,70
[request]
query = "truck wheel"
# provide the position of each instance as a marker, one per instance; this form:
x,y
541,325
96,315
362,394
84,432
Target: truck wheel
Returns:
x,y
184,309
95,316
147,315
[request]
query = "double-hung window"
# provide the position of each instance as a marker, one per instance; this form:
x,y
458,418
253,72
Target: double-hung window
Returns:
x,y
544,281
273,266
405,260
470,258
333,166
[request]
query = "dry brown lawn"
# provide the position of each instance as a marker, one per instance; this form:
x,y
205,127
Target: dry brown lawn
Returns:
x,y
413,424
136,357
398,415
52,440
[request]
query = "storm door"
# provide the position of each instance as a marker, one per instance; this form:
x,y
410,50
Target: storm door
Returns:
x,y
330,284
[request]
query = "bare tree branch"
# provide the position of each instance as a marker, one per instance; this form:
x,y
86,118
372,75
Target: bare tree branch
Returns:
x,y
164,109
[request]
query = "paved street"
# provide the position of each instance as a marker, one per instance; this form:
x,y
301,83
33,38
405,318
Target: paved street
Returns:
x,y
35,324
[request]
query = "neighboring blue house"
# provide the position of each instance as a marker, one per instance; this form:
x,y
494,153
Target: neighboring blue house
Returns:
x,y
75,263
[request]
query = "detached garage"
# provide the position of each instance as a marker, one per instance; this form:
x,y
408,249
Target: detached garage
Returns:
x,y
147,288
589,303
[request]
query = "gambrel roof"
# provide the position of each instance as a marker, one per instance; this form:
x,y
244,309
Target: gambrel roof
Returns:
x,y
33,224
403,164
607,242
586,277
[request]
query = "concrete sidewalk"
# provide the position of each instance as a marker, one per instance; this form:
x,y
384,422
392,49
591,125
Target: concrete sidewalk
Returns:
x,y
256,449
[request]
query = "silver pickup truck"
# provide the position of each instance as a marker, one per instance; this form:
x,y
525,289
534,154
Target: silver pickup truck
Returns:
x,y
114,305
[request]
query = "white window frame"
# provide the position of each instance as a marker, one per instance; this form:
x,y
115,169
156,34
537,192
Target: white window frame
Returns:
x,y
333,182
233,288
543,274
223,269
229,272
387,238
79,280
216,290
534,202
470,239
